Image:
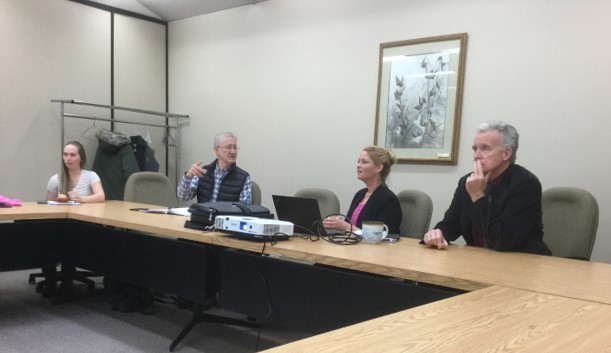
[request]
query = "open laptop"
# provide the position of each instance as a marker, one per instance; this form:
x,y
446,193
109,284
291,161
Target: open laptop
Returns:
x,y
303,212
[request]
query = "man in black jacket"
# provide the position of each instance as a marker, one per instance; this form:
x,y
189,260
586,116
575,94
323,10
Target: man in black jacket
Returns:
x,y
498,205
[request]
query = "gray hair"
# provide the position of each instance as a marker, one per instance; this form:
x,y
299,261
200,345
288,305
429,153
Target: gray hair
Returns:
x,y
509,135
222,135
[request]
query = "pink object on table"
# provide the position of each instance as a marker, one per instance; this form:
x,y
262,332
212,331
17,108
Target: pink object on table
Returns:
x,y
5,201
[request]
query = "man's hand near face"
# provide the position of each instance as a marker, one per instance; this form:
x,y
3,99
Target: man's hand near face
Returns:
x,y
476,182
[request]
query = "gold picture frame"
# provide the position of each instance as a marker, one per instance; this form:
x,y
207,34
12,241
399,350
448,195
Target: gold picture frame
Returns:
x,y
420,85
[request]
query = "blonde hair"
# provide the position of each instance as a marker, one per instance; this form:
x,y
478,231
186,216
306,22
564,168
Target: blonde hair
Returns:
x,y
381,156
64,183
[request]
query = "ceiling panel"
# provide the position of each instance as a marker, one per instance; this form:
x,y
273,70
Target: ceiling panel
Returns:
x,y
172,10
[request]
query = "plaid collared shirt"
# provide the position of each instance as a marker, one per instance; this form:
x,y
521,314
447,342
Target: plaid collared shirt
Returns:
x,y
187,188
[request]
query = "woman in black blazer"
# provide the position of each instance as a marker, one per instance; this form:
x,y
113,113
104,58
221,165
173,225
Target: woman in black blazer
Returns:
x,y
376,202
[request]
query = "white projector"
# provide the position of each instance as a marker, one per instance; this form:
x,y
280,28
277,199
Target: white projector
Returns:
x,y
252,225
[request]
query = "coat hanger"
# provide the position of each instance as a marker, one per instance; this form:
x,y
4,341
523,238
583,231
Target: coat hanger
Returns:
x,y
147,138
168,140
91,132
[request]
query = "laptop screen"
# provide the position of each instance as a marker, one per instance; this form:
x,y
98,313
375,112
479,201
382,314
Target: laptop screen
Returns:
x,y
302,212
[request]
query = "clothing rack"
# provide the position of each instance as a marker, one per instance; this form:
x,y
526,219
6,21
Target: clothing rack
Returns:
x,y
172,121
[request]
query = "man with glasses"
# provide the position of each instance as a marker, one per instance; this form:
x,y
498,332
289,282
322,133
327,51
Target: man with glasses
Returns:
x,y
221,180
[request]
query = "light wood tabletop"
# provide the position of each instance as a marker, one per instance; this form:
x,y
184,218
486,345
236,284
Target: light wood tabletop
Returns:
x,y
495,319
32,210
112,213
518,302
461,267
120,214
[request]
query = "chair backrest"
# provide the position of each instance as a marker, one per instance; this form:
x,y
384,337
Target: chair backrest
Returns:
x,y
256,194
152,188
328,203
417,207
570,221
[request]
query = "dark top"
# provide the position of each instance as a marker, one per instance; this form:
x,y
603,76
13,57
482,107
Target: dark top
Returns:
x,y
382,206
508,218
114,165
231,185
144,154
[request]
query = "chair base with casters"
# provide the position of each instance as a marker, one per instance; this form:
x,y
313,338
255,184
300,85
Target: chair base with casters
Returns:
x,y
53,279
51,250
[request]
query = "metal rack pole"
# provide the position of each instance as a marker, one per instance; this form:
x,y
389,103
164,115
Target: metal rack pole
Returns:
x,y
167,126
62,126
134,110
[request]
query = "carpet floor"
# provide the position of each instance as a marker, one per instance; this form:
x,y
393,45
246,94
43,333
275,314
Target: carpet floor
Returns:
x,y
30,323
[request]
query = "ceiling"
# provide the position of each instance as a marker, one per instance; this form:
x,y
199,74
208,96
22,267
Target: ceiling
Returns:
x,y
172,10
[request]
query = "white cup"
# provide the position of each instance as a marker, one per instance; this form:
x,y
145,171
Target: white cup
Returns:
x,y
374,232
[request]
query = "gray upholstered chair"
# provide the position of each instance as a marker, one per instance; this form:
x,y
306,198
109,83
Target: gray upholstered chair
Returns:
x,y
150,188
417,207
328,203
570,221
256,194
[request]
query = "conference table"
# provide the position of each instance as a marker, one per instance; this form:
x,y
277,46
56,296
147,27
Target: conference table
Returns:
x,y
493,319
514,301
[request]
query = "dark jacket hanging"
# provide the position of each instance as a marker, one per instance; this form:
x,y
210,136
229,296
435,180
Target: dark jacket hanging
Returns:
x,y
114,162
144,154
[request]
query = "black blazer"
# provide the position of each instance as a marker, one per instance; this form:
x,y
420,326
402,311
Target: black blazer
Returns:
x,y
510,220
382,206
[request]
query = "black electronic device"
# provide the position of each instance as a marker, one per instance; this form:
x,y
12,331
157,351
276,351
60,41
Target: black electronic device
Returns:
x,y
303,212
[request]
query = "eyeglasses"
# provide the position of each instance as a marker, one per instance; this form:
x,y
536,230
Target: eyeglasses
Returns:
x,y
229,147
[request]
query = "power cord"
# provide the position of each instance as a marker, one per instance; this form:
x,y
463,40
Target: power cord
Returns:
x,y
334,236
273,239
337,236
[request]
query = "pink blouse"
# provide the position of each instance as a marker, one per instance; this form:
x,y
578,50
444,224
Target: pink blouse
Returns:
x,y
356,213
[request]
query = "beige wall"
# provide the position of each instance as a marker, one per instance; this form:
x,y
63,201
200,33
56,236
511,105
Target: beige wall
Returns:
x,y
296,81
50,49
140,75
61,49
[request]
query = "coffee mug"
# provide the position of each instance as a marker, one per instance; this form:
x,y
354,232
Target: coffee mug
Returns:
x,y
374,232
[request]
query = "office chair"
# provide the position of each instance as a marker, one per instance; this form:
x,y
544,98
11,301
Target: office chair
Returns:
x,y
150,188
256,194
327,200
52,277
570,221
78,275
144,187
417,208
